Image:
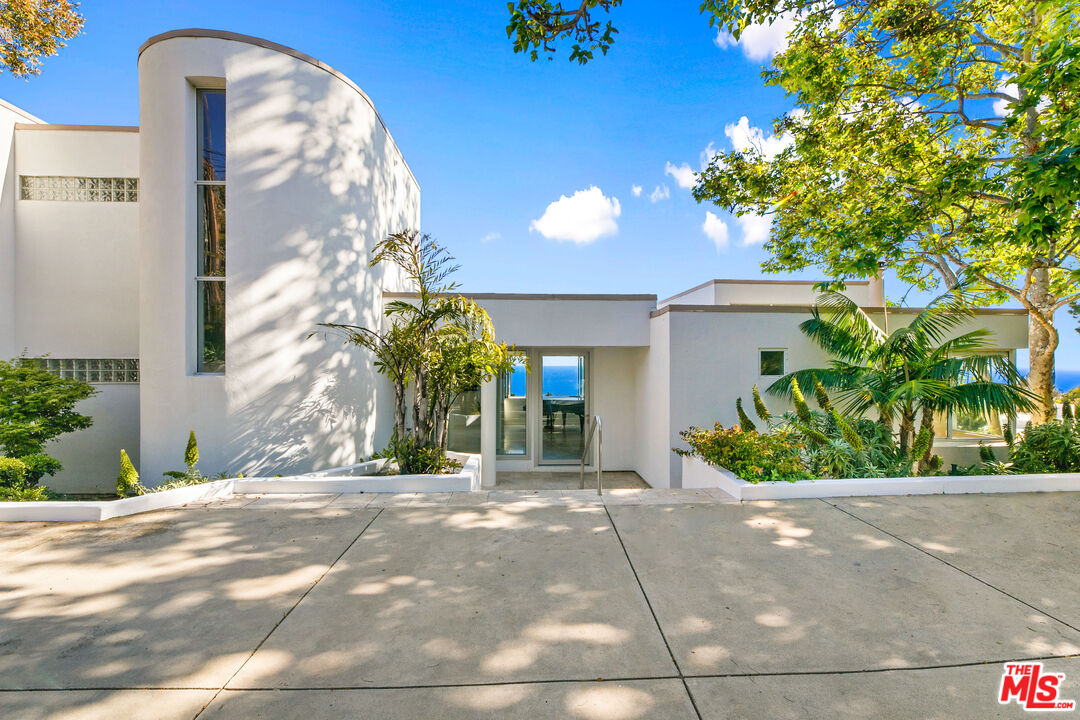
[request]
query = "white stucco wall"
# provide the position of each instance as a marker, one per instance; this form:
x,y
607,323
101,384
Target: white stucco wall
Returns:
x,y
570,320
9,116
313,182
762,292
91,457
615,375
75,288
653,406
76,264
714,360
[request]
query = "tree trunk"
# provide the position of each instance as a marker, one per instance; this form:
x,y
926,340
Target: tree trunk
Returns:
x,y
907,428
926,423
421,409
1042,343
444,439
440,418
399,409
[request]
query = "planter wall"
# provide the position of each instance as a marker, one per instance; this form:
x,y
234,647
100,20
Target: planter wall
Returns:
x,y
97,510
362,479
702,474
358,478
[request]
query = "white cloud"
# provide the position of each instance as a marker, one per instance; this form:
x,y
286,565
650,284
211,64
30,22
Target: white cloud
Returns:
x,y
636,189
1001,107
491,237
683,175
760,42
754,228
585,216
745,136
660,193
707,155
716,230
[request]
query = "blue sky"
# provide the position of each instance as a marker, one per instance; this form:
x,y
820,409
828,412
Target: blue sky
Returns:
x,y
493,138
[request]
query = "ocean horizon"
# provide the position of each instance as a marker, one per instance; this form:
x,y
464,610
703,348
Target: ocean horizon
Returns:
x,y
563,380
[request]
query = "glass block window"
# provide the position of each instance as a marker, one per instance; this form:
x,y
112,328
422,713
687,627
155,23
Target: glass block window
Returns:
x,y
94,370
79,189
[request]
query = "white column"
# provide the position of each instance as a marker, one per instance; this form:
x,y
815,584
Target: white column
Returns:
x,y
488,400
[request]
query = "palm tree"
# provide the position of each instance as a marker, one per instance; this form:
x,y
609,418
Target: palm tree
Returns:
x,y
912,370
439,342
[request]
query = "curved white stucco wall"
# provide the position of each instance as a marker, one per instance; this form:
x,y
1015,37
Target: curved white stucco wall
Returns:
x,y
313,182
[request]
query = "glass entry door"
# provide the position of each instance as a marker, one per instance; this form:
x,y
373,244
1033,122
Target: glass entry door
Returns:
x,y
564,408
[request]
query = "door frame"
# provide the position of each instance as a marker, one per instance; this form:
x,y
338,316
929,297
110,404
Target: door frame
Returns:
x,y
536,414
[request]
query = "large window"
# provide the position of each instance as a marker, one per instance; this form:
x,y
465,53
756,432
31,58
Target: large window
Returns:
x,y
511,413
563,392
210,243
979,424
463,432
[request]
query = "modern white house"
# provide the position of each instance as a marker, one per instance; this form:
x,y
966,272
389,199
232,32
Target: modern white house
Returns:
x,y
181,265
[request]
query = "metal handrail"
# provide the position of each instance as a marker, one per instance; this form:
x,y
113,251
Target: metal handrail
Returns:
x,y
597,427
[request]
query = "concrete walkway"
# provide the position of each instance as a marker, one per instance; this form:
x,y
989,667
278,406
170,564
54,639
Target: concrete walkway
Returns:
x,y
533,605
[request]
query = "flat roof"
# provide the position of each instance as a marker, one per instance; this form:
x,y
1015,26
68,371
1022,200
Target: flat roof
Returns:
x,y
78,128
534,296
805,309
730,281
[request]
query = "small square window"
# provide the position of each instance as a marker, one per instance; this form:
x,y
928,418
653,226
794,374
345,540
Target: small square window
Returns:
x,y
772,363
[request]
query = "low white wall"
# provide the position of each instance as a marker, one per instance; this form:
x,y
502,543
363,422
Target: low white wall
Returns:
x,y
360,480
706,475
95,511
348,479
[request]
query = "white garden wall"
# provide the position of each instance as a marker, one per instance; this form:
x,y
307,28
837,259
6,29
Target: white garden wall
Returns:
x,y
701,474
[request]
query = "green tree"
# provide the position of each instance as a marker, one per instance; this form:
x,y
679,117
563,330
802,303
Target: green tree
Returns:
x,y
439,343
445,329
939,139
36,406
395,356
913,374
536,25
33,29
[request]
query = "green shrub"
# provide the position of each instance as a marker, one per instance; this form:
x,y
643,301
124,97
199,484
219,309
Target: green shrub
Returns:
x,y
414,458
191,453
127,483
24,494
35,407
760,408
801,408
744,420
750,455
189,476
1050,447
12,473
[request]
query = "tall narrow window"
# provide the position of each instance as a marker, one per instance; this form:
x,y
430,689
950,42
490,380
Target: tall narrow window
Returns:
x,y
210,243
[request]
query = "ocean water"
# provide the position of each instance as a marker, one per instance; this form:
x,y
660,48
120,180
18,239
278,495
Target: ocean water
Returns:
x,y
1066,380
563,381
560,381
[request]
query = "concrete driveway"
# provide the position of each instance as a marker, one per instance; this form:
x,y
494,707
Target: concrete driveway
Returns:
x,y
555,606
